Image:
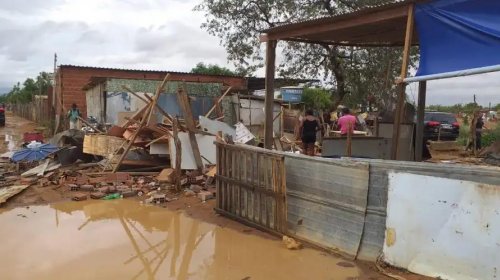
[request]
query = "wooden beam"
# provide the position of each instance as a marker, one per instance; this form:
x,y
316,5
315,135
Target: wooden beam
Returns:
x,y
217,102
336,23
147,99
183,99
419,138
178,154
401,86
269,101
347,44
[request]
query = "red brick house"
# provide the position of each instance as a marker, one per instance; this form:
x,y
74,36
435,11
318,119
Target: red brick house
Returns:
x,y
71,79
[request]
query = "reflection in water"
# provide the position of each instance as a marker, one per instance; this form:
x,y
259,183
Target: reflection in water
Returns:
x,y
126,240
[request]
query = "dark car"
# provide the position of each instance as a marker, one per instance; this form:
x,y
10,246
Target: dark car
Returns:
x,y
440,125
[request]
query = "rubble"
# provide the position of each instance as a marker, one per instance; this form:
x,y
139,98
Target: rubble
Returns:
x,y
80,197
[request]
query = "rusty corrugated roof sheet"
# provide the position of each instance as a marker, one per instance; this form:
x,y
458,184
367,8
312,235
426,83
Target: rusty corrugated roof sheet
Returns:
x,y
141,70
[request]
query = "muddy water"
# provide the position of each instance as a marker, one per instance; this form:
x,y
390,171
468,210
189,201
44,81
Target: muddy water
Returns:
x,y
126,240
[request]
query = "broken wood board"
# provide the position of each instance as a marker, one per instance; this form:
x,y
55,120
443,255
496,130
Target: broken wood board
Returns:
x,y
207,150
8,192
214,127
41,169
166,175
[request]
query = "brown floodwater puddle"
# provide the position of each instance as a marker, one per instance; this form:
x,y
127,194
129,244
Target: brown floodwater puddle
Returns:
x,y
124,239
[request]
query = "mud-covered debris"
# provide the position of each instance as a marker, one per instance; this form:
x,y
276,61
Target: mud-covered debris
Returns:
x,y
205,195
189,193
159,198
87,188
196,188
73,187
80,197
97,195
291,243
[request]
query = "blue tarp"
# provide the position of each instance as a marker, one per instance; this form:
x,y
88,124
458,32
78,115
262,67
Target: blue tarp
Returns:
x,y
34,154
458,35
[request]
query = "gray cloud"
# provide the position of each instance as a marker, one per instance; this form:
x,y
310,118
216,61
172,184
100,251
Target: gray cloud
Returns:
x,y
28,6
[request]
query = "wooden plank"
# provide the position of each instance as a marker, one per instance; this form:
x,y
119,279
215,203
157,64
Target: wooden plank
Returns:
x,y
401,86
419,138
217,182
269,101
217,102
183,99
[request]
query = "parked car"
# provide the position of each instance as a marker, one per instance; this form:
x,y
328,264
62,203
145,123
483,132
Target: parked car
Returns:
x,y
440,125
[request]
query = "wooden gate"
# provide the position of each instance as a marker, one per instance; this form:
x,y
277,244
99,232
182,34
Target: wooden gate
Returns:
x,y
251,186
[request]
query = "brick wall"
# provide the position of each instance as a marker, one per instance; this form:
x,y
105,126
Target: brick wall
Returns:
x,y
71,80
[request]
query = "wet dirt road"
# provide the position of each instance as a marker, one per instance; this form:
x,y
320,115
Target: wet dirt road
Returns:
x,y
124,239
11,135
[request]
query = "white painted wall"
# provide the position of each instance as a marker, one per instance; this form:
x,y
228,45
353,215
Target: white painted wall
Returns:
x,y
443,228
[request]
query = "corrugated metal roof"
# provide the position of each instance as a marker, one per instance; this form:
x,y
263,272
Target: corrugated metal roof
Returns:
x,y
355,13
142,70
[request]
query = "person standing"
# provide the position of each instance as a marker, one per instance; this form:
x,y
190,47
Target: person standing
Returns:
x,y
309,126
479,132
73,116
347,122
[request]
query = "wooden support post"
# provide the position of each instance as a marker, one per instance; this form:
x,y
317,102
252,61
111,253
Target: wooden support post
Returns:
x,y
349,141
419,137
269,103
178,154
183,98
401,86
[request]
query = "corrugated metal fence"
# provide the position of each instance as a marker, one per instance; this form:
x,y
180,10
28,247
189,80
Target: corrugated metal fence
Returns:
x,y
338,204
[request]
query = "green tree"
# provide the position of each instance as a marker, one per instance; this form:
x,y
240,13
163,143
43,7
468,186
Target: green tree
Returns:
x,y
317,98
23,93
212,69
353,72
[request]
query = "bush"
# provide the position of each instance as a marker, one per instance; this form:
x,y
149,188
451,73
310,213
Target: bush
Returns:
x,y
491,136
317,98
463,135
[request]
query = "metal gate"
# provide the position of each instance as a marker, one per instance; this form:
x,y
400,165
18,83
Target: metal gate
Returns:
x,y
251,186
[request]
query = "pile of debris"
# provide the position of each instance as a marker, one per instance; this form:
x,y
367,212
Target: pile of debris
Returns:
x,y
140,158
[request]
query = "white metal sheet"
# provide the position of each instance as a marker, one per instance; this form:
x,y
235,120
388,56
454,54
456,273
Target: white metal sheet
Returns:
x,y
442,227
205,144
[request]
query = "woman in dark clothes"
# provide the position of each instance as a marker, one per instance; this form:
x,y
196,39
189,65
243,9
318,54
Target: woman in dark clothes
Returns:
x,y
309,126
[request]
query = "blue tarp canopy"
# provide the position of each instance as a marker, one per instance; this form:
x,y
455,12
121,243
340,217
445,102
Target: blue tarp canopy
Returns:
x,y
458,35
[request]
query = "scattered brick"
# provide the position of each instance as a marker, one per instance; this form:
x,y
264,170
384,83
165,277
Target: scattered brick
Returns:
x,y
97,195
159,198
88,188
80,197
73,187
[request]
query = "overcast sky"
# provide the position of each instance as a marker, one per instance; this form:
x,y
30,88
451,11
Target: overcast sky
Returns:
x,y
143,34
